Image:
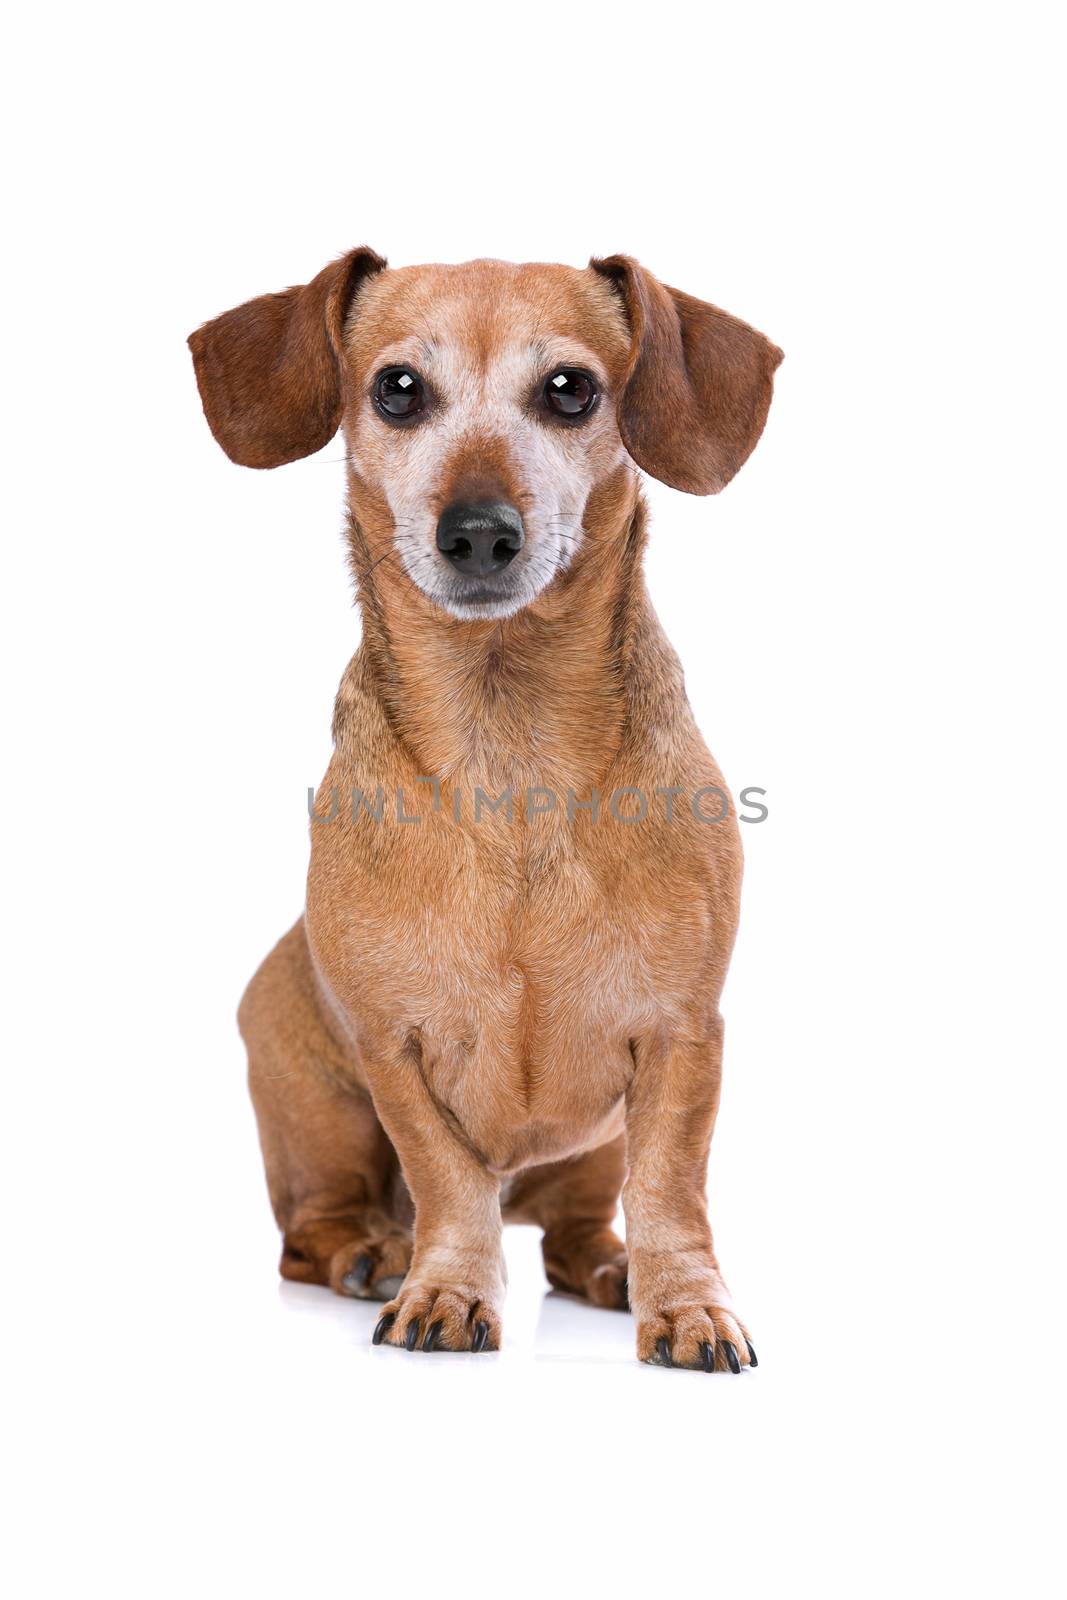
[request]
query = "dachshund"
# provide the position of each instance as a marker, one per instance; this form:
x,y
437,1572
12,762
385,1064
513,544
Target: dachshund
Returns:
x,y
502,1001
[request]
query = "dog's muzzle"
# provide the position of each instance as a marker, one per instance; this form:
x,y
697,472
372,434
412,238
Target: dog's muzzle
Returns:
x,y
479,539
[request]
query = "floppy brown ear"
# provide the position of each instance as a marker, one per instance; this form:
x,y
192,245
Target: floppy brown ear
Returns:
x,y
698,385
269,372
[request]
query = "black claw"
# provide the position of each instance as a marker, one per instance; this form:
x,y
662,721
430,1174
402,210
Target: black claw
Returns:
x,y
751,1355
362,1269
412,1337
433,1333
384,1324
664,1351
624,1294
731,1356
481,1334
707,1355
357,1278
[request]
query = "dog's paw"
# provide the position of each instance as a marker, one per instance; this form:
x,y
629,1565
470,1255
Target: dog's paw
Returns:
x,y
685,1317
705,1337
593,1265
371,1268
434,1316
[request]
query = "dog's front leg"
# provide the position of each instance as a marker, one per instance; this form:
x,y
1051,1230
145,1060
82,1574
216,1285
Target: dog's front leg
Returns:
x,y
451,1297
684,1314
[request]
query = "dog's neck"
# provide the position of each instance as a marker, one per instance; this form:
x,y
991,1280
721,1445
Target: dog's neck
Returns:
x,y
539,699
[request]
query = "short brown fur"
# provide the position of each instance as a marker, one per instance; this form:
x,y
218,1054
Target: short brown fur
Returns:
x,y
490,1019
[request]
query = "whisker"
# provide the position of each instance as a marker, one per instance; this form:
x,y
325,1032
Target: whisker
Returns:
x,y
361,576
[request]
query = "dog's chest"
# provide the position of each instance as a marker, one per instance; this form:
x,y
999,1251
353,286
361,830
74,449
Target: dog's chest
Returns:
x,y
529,1015
522,968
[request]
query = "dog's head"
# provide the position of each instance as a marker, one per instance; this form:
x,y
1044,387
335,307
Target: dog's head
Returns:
x,y
483,405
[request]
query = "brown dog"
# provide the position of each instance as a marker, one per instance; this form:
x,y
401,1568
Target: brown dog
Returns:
x,y
503,1000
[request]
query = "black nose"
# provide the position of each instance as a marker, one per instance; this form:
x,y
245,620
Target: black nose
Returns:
x,y
479,539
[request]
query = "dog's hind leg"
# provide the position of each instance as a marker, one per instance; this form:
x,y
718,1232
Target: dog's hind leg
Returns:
x,y
332,1174
575,1202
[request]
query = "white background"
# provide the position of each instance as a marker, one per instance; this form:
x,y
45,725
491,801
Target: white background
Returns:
x,y
870,619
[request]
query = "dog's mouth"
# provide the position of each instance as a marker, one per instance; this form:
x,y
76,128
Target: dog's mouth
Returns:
x,y
497,596
492,595
486,593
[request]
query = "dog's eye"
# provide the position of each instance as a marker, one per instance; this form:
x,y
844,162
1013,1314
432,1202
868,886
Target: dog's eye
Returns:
x,y
570,392
398,392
